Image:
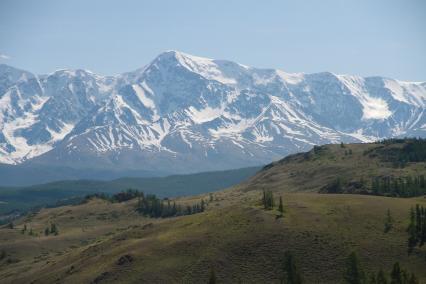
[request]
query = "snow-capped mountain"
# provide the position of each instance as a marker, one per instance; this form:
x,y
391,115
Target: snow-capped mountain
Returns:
x,y
185,113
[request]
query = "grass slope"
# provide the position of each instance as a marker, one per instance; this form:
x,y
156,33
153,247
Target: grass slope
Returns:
x,y
242,242
313,170
102,242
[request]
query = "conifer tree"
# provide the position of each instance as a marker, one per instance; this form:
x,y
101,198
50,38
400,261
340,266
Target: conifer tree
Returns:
x,y
412,231
264,199
203,205
396,274
24,229
388,221
418,219
46,232
372,279
381,278
292,275
54,229
423,228
268,200
212,278
354,273
174,209
281,206
413,279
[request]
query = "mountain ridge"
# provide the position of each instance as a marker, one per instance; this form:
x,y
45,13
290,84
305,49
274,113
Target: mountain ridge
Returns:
x,y
193,113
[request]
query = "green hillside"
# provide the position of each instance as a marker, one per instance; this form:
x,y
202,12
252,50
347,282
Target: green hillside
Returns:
x,y
356,166
235,236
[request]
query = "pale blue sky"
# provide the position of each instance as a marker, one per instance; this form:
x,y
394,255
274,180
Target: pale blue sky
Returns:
x,y
362,37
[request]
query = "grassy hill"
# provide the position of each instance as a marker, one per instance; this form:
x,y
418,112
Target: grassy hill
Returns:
x,y
24,198
351,163
102,242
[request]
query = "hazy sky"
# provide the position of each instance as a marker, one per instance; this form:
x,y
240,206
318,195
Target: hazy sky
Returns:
x,y
362,37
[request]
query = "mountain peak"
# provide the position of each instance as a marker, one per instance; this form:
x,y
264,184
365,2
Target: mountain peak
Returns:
x,y
184,59
217,112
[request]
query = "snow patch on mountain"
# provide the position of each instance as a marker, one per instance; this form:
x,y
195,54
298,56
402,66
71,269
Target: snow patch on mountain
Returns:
x,y
148,102
373,107
204,66
408,92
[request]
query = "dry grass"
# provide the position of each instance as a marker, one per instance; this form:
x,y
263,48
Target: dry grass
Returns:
x,y
111,243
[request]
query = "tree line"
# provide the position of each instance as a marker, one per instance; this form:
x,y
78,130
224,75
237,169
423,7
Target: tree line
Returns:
x,y
408,186
413,150
151,205
121,196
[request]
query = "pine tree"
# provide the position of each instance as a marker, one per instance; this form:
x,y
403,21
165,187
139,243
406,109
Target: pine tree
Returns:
x,y
46,232
354,273
264,199
212,278
418,219
423,228
54,229
174,209
405,276
203,205
281,206
381,278
412,231
372,279
396,274
24,229
268,200
292,275
413,279
388,222
139,202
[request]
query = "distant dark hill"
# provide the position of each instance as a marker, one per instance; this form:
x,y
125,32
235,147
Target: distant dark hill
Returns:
x,y
25,175
23,198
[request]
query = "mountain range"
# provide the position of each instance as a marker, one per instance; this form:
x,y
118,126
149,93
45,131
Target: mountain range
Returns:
x,y
182,113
